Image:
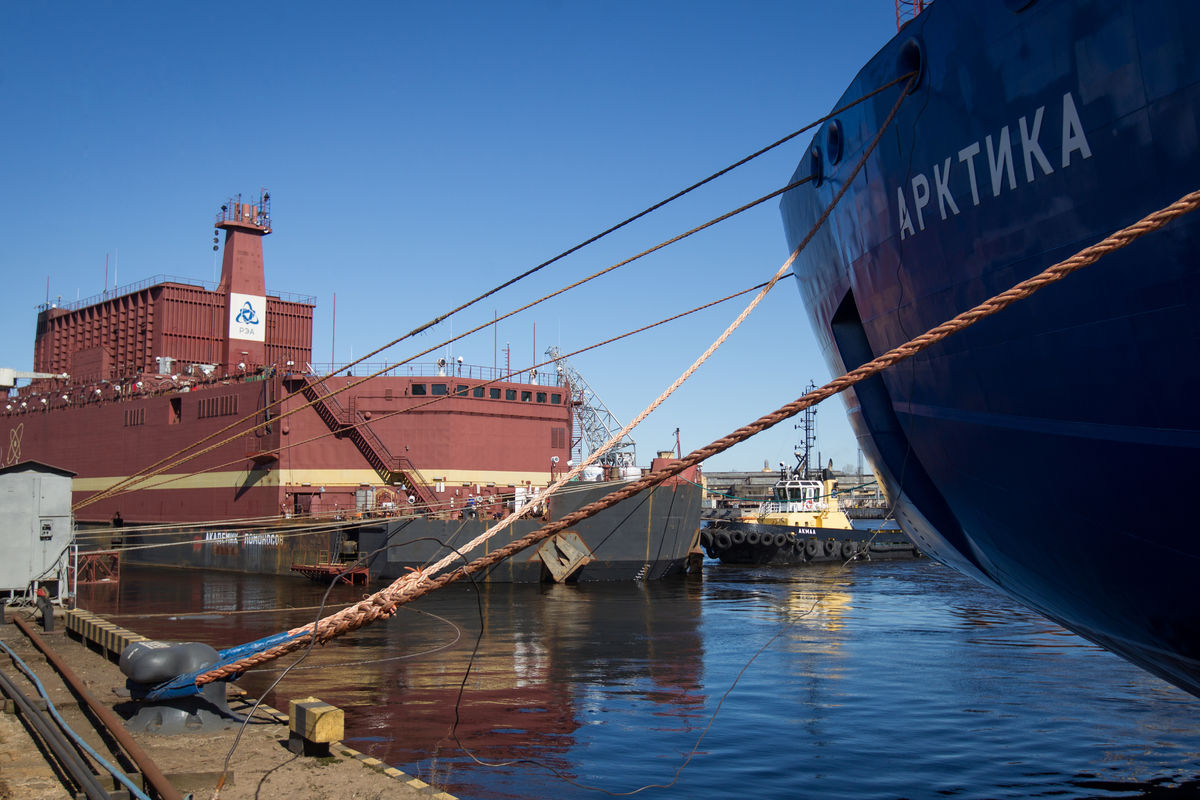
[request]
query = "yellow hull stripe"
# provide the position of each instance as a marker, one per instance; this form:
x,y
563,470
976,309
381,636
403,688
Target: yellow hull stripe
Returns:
x,y
314,477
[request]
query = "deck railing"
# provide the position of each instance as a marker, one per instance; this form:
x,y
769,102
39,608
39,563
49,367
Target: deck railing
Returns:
x,y
154,280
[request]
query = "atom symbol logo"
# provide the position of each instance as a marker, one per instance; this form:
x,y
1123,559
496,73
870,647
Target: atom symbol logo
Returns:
x,y
246,315
14,445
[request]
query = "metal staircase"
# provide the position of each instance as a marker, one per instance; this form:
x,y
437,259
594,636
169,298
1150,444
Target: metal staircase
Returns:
x,y
354,426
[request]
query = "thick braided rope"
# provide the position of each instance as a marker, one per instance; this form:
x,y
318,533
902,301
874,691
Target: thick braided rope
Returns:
x,y
181,456
405,585
131,482
384,602
275,519
379,606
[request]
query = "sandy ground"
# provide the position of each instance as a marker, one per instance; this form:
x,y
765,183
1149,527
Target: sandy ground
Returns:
x,y
261,766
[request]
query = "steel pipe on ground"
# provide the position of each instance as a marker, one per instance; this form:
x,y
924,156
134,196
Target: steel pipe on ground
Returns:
x,y
150,771
63,750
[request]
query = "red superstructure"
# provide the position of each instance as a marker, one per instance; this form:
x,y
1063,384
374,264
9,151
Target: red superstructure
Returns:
x,y
159,325
162,365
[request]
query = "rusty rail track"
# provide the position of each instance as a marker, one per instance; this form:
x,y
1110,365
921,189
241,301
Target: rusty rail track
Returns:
x,y
107,724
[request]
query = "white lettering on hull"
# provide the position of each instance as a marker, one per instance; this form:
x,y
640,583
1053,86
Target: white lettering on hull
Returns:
x,y
248,538
1001,167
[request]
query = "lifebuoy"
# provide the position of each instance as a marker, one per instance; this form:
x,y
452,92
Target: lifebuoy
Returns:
x,y
808,505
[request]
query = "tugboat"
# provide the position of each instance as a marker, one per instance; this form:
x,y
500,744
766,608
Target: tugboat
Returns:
x,y
802,522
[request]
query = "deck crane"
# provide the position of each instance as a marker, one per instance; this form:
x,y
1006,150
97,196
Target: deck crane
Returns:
x,y
594,424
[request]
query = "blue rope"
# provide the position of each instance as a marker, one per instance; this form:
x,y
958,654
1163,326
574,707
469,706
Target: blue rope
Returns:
x,y
185,685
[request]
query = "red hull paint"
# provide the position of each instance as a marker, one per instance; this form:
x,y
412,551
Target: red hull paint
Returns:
x,y
158,371
459,445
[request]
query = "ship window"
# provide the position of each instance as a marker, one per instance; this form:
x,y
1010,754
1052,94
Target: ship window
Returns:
x,y
387,394
510,394
461,390
526,396
541,397
439,388
558,438
477,391
781,494
135,416
555,398
418,389
176,411
494,394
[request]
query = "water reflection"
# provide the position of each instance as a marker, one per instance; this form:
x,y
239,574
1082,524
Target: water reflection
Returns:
x,y
880,680
510,671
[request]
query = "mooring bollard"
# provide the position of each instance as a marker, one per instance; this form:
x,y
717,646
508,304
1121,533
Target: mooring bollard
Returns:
x,y
47,610
148,663
313,725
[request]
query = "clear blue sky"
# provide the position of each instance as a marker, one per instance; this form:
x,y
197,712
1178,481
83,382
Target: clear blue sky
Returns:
x,y
418,153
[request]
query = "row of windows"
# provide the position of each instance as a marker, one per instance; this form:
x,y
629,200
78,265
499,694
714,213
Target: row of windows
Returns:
x,y
492,392
135,416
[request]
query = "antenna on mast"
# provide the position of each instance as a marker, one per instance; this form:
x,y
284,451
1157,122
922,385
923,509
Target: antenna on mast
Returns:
x,y
808,424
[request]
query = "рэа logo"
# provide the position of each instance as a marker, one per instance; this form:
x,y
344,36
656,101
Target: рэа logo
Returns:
x,y
246,315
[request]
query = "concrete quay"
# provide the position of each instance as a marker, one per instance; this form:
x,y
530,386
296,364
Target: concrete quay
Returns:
x,y
262,764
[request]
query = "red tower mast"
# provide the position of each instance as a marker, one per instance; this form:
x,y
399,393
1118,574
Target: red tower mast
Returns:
x,y
242,281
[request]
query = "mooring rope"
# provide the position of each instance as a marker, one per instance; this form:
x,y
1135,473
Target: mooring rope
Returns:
x,y
383,604
406,588
181,456
434,400
170,461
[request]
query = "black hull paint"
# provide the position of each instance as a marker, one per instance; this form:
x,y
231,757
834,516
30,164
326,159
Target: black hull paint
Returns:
x,y
646,537
755,543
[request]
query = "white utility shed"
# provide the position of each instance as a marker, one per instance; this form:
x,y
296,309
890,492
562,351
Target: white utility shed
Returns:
x,y
35,524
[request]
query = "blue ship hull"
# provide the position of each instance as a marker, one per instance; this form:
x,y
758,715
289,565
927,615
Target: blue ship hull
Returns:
x,y
1050,450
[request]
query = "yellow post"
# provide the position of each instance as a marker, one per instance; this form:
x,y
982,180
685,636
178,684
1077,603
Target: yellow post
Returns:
x,y
313,725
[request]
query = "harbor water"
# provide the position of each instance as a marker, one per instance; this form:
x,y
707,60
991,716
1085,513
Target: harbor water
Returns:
x,y
875,680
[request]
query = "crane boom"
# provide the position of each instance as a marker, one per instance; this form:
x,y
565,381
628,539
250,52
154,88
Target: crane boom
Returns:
x,y
8,376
